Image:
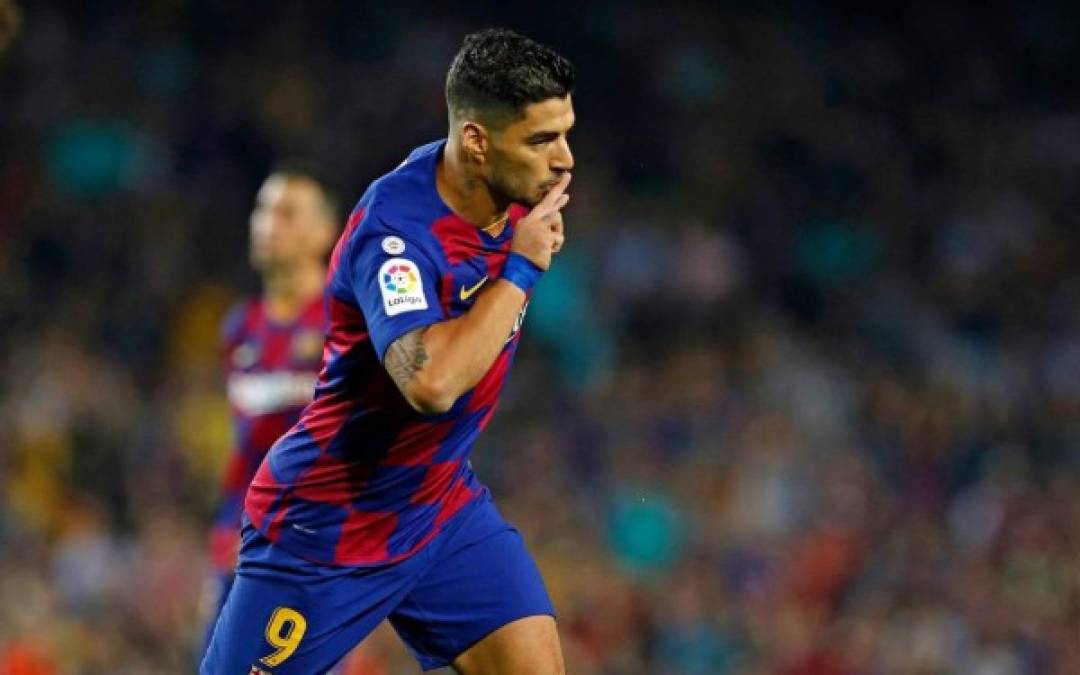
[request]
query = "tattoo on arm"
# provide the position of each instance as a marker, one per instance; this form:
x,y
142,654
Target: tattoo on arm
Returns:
x,y
405,356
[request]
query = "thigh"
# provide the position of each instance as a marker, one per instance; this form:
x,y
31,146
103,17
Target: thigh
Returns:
x,y
483,580
286,616
528,646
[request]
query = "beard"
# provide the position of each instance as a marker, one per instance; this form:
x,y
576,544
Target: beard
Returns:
x,y
508,186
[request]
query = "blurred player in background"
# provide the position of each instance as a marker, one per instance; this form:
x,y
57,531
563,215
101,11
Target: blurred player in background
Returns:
x,y
369,507
272,343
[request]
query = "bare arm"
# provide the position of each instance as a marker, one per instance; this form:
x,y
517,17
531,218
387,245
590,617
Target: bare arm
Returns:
x,y
405,357
433,366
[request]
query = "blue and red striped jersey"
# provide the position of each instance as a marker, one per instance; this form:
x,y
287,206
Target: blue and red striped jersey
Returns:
x,y
363,479
271,372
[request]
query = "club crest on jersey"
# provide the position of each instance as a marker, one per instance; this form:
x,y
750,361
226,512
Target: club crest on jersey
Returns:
x,y
255,670
307,345
402,290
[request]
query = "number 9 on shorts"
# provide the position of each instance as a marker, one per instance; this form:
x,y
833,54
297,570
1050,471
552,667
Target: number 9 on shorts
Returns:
x,y
284,632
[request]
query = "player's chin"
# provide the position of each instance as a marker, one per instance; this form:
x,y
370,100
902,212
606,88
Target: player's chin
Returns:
x,y
271,263
540,193
530,197
529,201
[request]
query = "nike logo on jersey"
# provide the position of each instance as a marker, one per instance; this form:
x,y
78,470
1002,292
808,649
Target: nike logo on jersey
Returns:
x,y
466,293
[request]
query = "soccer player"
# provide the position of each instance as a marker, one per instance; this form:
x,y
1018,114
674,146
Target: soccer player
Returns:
x,y
369,508
272,343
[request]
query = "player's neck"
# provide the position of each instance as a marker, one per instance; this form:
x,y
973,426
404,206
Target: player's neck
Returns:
x,y
464,192
287,291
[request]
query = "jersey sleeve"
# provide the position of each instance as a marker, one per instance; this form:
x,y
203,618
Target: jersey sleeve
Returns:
x,y
232,325
396,284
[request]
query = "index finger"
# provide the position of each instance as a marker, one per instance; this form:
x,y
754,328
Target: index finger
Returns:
x,y
555,192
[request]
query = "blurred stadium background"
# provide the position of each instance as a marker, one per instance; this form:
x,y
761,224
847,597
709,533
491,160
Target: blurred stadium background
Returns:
x,y
802,397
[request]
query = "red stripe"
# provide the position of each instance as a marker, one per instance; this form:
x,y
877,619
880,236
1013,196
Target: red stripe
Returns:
x,y
497,259
486,391
459,240
517,212
325,417
275,350
426,436
273,529
482,424
436,482
447,292
345,328
495,262
347,325
261,494
364,537
459,496
350,225
264,430
332,481
256,318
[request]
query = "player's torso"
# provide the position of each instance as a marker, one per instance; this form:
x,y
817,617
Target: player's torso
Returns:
x,y
271,371
469,260
363,478
466,260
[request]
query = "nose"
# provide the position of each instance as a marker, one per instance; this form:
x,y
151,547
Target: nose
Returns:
x,y
563,160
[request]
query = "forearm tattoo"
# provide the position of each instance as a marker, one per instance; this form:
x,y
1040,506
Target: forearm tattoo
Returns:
x,y
405,356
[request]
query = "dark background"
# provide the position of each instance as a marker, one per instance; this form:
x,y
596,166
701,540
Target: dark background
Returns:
x,y
802,395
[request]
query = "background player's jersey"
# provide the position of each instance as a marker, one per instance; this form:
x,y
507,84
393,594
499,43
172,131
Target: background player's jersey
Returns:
x,y
272,369
363,478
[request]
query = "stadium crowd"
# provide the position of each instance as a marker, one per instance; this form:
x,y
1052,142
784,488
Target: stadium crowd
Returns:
x,y
801,397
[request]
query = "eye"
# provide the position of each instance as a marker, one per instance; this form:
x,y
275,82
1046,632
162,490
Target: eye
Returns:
x,y
542,139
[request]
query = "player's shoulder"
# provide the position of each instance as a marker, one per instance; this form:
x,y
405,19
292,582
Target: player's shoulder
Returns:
x,y
239,319
405,202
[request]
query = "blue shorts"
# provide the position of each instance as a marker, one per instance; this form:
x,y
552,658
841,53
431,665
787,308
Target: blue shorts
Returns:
x,y
287,615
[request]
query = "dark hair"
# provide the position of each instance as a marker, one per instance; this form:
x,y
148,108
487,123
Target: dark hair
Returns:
x,y
498,72
295,168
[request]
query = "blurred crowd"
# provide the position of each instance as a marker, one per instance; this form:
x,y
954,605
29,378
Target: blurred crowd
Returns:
x,y
801,397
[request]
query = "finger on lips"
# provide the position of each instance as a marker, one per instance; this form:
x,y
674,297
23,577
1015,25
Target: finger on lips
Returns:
x,y
556,192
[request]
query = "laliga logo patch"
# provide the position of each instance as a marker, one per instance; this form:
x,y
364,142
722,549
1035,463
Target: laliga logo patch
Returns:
x,y
401,288
393,245
399,278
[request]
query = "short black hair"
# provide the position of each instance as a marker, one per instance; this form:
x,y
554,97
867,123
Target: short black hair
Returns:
x,y
308,170
498,72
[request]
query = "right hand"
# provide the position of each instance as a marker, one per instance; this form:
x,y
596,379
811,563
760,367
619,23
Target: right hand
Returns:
x,y
540,233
